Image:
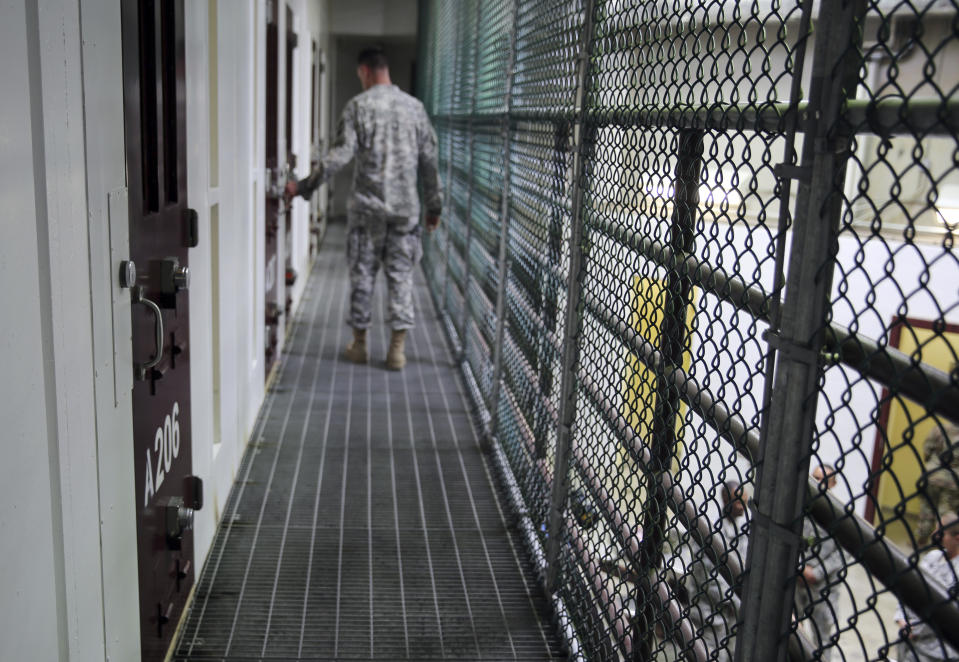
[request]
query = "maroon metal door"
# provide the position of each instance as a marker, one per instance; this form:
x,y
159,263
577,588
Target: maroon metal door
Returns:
x,y
314,141
161,231
277,178
290,160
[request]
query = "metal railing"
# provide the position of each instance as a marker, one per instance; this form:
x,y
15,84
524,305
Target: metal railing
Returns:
x,y
696,255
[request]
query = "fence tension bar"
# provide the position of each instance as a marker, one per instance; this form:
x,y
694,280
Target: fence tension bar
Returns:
x,y
444,307
573,319
467,259
678,295
786,443
502,260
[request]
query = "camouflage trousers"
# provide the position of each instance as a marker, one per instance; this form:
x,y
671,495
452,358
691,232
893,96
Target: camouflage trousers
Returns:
x,y
395,245
817,616
907,651
714,633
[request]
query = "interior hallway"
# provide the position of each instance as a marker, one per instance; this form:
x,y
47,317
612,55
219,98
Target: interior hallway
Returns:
x,y
363,523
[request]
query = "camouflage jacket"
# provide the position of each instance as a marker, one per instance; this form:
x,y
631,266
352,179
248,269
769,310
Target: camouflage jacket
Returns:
x,y
939,450
389,135
821,553
944,570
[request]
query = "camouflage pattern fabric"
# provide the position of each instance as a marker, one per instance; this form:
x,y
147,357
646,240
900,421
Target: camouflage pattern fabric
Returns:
x,y
736,536
817,604
389,134
398,249
923,645
714,608
941,471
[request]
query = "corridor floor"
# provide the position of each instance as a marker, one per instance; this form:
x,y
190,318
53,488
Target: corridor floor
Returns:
x,y
364,523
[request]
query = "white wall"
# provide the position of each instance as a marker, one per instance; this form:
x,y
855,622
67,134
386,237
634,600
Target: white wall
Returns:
x,y
66,513
226,331
311,22
384,18
320,15
55,605
107,213
200,197
32,538
225,321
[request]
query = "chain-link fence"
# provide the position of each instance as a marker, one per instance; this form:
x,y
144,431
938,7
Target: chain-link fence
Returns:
x,y
697,262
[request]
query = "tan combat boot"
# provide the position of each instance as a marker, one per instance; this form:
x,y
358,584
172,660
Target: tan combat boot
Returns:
x,y
395,359
356,350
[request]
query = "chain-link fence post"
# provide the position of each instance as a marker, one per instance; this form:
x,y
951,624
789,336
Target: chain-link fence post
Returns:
x,y
502,262
573,319
775,535
467,260
678,294
448,201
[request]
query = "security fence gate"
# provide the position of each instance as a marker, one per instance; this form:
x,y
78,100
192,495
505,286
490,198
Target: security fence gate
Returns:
x,y
693,252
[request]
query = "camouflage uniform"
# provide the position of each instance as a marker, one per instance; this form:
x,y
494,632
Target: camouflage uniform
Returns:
x,y
714,608
736,536
390,136
923,645
367,247
818,604
941,470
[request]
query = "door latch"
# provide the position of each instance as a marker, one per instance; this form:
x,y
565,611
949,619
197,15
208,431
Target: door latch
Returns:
x,y
178,519
174,278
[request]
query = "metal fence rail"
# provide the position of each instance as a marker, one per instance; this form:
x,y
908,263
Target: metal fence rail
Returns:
x,y
699,255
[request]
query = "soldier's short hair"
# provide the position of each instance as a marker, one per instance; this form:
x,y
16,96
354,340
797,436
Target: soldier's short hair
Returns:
x,y
732,489
948,520
373,57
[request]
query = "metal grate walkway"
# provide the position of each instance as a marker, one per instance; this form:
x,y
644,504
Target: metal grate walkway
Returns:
x,y
364,523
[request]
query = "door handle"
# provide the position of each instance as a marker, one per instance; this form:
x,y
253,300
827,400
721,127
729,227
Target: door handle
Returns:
x,y
140,371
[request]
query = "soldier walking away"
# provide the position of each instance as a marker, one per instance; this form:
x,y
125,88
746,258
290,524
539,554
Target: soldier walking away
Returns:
x,y
713,605
940,458
389,135
735,524
817,599
919,641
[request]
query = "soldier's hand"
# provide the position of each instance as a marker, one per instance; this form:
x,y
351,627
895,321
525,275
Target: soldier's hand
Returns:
x,y
432,222
905,630
290,189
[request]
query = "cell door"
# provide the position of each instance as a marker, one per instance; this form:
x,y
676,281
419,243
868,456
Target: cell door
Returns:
x,y
288,270
277,177
315,147
161,231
